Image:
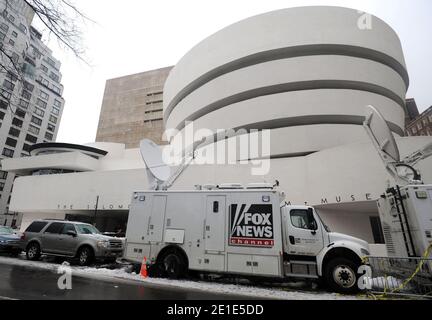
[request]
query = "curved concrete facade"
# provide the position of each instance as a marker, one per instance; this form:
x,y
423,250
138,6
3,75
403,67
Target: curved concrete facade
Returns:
x,y
291,68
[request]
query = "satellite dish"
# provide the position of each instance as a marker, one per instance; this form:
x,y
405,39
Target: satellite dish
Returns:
x,y
151,153
381,134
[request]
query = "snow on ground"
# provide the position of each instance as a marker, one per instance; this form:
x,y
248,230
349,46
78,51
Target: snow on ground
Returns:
x,y
237,289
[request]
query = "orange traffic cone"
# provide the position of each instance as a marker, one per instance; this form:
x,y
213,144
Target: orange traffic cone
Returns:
x,y
143,271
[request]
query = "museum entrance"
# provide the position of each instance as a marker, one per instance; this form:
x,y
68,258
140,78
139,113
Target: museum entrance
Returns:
x,y
112,223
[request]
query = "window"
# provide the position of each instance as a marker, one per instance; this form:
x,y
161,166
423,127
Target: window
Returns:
x,y
51,128
377,230
20,113
2,36
28,86
36,120
419,126
51,62
41,103
2,115
15,57
2,186
36,226
43,95
57,103
54,76
31,139
14,34
3,175
17,122
44,68
68,227
55,111
414,130
13,77
53,119
23,104
23,28
8,85
215,206
303,219
4,27
36,53
11,18
26,95
11,42
56,89
39,112
3,105
33,129
11,142
48,136
14,132
26,147
8,153
55,227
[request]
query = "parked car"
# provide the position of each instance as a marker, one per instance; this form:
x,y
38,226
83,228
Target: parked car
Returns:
x,y
9,241
70,239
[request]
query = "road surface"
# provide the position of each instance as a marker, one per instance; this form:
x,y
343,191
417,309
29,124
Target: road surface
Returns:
x,y
20,282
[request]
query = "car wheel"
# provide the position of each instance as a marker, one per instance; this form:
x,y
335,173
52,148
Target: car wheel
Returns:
x,y
341,276
173,266
33,251
85,256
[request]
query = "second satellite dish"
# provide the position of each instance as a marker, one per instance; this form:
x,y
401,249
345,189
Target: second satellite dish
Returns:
x,y
381,133
152,156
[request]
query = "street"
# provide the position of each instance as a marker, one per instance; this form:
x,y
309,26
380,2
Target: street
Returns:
x,y
20,282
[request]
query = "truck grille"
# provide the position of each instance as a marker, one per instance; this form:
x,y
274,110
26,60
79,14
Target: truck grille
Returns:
x,y
116,244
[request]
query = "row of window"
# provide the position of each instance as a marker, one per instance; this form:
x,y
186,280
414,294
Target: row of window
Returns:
x,y
420,124
39,112
47,84
11,18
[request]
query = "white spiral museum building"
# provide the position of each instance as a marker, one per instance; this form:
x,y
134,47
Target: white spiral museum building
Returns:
x,y
306,74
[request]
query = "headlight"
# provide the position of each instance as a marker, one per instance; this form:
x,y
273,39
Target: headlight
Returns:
x,y
365,252
2,241
103,244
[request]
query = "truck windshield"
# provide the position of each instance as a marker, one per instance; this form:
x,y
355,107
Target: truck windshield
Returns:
x,y
87,229
323,223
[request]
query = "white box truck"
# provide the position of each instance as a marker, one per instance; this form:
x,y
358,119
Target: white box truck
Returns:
x,y
241,231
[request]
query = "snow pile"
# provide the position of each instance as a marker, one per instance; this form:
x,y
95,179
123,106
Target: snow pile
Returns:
x,y
237,289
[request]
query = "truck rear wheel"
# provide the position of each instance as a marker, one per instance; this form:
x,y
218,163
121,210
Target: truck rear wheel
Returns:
x,y
173,265
341,275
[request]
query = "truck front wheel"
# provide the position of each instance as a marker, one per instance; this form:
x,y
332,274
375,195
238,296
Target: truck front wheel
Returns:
x,y
173,265
341,275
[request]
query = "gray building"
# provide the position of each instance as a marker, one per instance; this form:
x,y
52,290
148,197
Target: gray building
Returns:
x,y
31,102
132,108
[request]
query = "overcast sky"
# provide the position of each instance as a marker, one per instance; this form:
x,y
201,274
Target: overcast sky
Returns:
x,y
133,36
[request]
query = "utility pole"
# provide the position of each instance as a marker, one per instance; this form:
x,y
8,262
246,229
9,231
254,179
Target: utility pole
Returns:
x,y
96,208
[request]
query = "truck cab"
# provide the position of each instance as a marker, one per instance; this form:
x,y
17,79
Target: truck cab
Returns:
x,y
311,250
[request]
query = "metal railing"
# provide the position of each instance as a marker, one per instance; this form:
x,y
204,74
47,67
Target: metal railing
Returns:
x,y
401,276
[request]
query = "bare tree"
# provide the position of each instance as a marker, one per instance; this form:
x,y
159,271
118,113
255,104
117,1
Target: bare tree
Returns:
x,y
60,19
